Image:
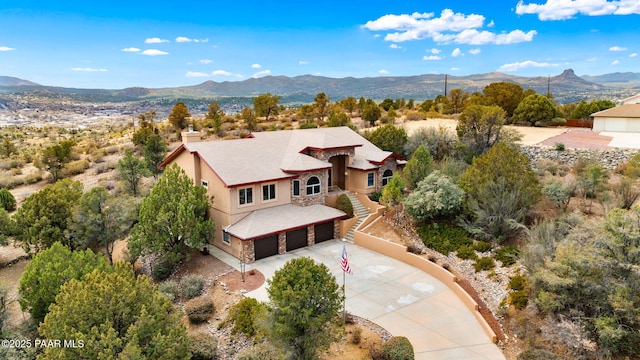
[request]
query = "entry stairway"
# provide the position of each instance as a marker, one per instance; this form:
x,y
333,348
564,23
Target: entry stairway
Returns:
x,y
360,211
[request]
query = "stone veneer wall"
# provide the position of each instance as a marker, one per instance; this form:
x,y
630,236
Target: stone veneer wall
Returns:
x,y
249,251
303,199
328,154
609,158
389,164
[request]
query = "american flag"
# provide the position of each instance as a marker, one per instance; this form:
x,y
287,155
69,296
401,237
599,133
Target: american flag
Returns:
x,y
344,261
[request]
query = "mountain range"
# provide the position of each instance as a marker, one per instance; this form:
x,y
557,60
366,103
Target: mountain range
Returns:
x,y
566,87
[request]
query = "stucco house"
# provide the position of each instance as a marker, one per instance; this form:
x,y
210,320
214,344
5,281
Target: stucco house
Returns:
x,y
623,118
270,188
635,99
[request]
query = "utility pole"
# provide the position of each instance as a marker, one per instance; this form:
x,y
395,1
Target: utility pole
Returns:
x,y
446,79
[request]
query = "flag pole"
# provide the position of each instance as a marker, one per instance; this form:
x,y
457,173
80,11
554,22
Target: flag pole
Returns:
x,y
344,296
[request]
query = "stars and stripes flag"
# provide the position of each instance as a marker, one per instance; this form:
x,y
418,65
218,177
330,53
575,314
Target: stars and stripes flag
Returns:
x,y
344,261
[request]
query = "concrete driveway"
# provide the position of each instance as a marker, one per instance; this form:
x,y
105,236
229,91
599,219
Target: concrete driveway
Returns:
x,y
398,297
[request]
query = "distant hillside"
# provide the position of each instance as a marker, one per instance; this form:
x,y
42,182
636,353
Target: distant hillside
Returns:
x,y
566,87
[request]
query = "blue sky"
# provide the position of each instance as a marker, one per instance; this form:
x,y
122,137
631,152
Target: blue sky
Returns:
x,y
117,44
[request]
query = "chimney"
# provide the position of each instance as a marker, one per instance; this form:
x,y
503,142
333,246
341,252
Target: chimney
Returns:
x,y
190,136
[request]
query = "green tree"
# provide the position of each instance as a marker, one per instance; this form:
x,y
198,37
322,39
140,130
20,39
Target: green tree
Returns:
x,y
592,183
506,95
502,187
535,109
116,315
441,142
386,104
43,217
350,104
418,167
7,201
101,218
390,138
338,119
154,151
305,301
172,219
249,118
179,116
49,270
130,171
480,127
371,112
214,117
458,100
146,129
321,106
266,105
435,196
7,148
55,157
584,109
393,194
7,226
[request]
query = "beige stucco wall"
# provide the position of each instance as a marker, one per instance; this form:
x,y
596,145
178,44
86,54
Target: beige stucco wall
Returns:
x,y
357,181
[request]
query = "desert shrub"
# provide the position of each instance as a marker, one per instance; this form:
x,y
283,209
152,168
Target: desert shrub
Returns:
x,y
443,238
375,196
203,346
161,270
308,125
413,115
191,286
508,255
76,167
481,246
101,168
558,193
397,348
466,252
356,336
7,201
414,249
10,182
169,289
559,146
484,263
32,178
343,203
435,196
262,351
558,121
519,299
535,353
517,282
199,310
244,316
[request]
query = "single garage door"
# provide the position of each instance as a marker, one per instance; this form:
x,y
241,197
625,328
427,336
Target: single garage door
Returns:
x,y
265,247
296,239
323,232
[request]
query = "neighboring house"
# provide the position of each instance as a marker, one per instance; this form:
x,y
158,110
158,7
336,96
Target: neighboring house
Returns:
x,y
270,188
623,118
635,99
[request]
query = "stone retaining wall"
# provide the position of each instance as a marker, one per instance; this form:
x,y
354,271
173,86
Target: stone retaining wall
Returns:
x,y
609,158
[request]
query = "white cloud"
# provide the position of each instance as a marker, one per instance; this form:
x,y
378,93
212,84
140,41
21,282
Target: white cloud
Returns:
x,y
525,64
617,48
206,61
182,39
302,62
633,55
455,69
615,62
591,59
567,9
131,49
155,40
256,66
475,51
431,58
81,69
154,52
221,73
262,73
491,24
395,46
449,27
435,51
6,48
456,52
383,71
196,74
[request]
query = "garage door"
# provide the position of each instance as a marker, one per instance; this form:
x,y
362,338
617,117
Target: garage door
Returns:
x,y
265,247
323,232
296,239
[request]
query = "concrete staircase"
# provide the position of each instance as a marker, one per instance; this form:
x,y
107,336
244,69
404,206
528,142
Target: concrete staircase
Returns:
x,y
360,211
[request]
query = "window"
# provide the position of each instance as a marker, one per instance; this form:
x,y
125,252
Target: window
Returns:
x,y
386,175
205,184
268,192
313,185
370,181
226,237
296,187
246,196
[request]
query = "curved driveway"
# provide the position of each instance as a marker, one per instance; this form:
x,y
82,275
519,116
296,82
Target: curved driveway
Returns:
x,y
398,297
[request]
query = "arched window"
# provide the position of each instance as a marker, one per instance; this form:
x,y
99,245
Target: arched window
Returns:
x,y
313,185
386,175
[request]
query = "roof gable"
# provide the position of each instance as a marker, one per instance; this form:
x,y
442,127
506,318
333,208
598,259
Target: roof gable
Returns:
x,y
622,111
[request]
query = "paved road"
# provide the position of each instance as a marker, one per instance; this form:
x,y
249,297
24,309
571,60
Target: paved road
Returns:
x,y
398,297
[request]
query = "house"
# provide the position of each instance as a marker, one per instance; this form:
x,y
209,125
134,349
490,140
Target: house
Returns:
x,y
635,99
270,189
623,118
